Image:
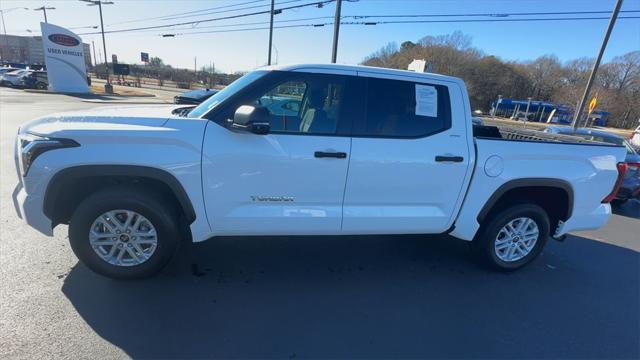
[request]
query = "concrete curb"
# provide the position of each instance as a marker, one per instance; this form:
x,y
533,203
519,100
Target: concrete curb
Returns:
x,y
96,101
87,95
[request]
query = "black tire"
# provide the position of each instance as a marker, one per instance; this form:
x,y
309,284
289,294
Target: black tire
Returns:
x,y
484,242
41,86
147,204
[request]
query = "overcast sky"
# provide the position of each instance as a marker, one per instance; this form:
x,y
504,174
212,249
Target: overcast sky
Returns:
x,y
245,50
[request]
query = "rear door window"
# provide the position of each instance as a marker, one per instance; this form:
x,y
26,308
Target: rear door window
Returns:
x,y
404,109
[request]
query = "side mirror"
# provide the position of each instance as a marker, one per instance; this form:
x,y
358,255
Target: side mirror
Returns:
x,y
255,119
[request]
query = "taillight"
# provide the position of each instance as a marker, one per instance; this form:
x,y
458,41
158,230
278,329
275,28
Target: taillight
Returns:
x,y
622,171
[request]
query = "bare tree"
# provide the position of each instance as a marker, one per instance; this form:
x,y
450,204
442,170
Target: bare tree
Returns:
x,y
545,74
545,78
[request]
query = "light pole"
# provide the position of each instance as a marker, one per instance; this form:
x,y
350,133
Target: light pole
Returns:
x,y
526,114
4,27
108,88
276,49
495,110
44,10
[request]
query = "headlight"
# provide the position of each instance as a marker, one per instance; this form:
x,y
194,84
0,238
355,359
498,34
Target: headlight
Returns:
x,y
30,146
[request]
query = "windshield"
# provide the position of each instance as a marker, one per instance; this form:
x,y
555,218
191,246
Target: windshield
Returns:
x,y
223,94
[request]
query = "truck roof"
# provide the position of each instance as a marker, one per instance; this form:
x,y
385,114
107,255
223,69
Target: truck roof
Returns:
x,y
371,70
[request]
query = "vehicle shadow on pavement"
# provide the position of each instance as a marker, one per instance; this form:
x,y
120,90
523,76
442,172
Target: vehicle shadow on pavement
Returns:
x,y
366,297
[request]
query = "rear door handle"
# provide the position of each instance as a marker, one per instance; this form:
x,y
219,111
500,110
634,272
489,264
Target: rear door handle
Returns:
x,y
324,154
443,158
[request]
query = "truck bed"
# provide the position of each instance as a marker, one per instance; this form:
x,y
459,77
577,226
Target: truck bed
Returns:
x,y
518,134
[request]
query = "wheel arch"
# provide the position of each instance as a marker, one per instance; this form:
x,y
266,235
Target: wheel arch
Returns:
x,y
555,196
64,185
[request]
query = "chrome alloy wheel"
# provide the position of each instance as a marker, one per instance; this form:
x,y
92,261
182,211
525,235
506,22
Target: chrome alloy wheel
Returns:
x,y
123,237
516,239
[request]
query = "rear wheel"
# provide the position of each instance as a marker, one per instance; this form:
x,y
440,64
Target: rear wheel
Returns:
x,y
124,233
513,237
41,86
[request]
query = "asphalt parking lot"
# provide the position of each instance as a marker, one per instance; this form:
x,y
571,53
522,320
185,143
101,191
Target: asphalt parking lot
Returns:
x,y
313,297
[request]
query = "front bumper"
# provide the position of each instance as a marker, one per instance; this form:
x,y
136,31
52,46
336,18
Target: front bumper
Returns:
x,y
29,208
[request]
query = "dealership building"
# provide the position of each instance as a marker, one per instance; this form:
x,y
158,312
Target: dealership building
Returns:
x,y
28,50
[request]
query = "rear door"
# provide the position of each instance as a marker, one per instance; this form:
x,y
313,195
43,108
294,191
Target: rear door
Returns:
x,y
290,181
410,157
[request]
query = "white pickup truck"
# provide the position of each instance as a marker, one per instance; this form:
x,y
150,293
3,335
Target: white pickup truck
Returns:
x,y
306,150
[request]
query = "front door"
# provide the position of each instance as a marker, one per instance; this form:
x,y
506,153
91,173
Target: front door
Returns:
x,y
290,181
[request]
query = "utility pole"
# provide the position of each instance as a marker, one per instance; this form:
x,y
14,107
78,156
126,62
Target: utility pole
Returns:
x,y
95,60
612,21
211,74
4,26
273,4
44,10
336,31
6,38
108,88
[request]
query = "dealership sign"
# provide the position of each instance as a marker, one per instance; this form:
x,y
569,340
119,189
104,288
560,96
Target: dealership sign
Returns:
x,y
64,57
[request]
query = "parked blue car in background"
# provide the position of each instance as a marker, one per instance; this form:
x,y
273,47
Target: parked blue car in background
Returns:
x,y
194,97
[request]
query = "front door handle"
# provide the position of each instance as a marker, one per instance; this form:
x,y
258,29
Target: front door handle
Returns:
x,y
443,158
324,154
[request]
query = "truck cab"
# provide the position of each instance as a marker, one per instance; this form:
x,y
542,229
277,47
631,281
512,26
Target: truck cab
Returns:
x,y
358,156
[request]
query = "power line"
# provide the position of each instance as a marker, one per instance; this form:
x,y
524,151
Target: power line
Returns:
x,y
241,24
316,3
494,18
201,12
497,15
391,16
488,20
367,23
227,11
188,12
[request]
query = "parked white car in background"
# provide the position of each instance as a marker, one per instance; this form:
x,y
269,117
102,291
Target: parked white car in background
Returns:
x,y
12,78
6,69
366,151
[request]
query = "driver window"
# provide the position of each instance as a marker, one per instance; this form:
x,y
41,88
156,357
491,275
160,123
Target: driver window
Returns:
x,y
304,106
283,103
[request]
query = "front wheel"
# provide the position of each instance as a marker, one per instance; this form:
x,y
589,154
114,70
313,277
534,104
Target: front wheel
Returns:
x,y
513,237
124,233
